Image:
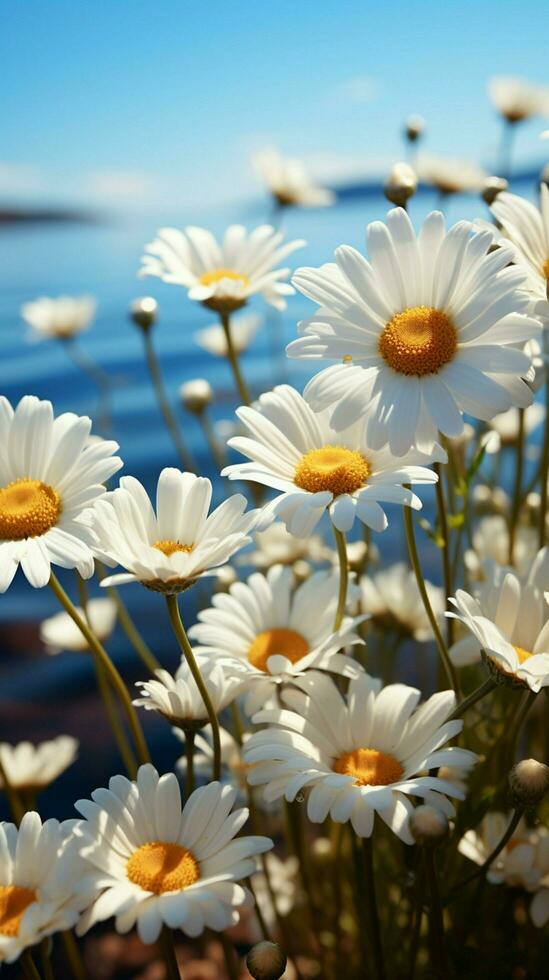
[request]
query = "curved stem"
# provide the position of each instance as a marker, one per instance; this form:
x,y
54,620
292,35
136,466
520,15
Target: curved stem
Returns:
x,y
243,392
229,954
72,954
446,564
341,545
485,688
170,420
45,960
110,669
186,650
415,563
28,966
519,465
131,631
436,921
168,949
482,868
189,755
375,930
105,691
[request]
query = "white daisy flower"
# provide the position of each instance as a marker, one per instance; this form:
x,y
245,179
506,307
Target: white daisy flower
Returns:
x,y
527,228
39,873
507,424
283,878
30,768
60,632
426,330
361,755
243,330
316,467
153,864
50,476
62,317
491,542
223,277
450,176
178,698
516,99
271,634
288,181
509,620
276,546
391,598
168,551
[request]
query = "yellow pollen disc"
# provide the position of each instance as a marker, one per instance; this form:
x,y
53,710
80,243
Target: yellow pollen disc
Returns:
x,y
169,547
287,643
369,767
216,275
332,468
28,508
522,654
545,269
14,902
418,341
159,868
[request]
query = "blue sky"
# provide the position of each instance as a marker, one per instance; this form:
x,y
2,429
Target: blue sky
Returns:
x,y
167,100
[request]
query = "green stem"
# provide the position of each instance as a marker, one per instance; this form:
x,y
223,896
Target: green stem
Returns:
x,y
213,445
229,955
417,916
133,634
17,809
372,910
29,967
485,688
259,914
243,392
73,956
97,376
45,960
544,469
170,420
186,650
519,466
168,949
436,920
446,564
110,669
189,754
341,546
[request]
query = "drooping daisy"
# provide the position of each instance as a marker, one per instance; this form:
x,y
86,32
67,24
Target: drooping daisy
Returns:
x,y
391,598
30,768
271,634
60,632
317,467
62,317
509,620
425,331
450,176
50,476
152,864
168,551
39,873
178,699
517,99
288,181
361,755
224,276
243,330
527,227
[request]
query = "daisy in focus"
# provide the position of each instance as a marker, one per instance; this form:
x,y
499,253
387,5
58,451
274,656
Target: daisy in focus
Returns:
x,y
60,632
271,634
424,331
359,755
153,864
527,227
392,600
223,277
517,99
168,551
62,317
50,477
316,467
289,183
30,768
178,698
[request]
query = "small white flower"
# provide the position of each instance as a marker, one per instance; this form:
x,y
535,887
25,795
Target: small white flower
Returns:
x,y
391,598
60,632
288,181
152,864
276,546
517,99
62,317
450,176
507,424
50,476
169,550
243,331
527,228
30,768
361,755
222,276
178,698
271,634
401,184
316,467
283,878
491,542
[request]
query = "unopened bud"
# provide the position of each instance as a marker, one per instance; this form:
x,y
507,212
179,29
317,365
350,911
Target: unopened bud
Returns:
x,y
414,128
492,187
301,570
196,395
143,312
266,961
401,184
529,783
428,826
225,577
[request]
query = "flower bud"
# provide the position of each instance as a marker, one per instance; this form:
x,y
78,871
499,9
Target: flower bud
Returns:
x,y
266,961
529,783
428,826
143,312
196,395
414,128
492,187
401,184
225,577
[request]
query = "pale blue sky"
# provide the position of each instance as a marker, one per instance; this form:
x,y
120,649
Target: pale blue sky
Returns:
x,y
168,98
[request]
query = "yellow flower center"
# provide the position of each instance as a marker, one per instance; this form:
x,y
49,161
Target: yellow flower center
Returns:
x,y
169,547
285,642
28,508
14,902
418,341
332,468
159,868
369,767
545,269
522,654
217,275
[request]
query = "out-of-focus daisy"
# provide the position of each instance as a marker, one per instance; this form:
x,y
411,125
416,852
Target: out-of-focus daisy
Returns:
x,y
272,634
30,768
222,276
425,330
276,546
39,873
283,878
62,317
316,467
153,864
491,542
509,620
527,227
288,182
178,699
450,176
232,766
506,425
50,476
414,127
243,330
361,755
391,598
60,632
169,550
517,99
